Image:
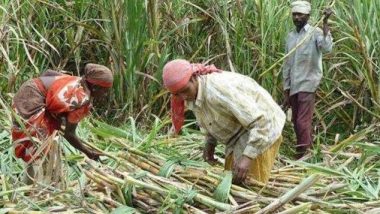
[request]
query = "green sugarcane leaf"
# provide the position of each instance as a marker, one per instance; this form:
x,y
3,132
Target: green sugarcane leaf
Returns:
x,y
128,194
319,169
124,210
100,132
352,139
167,169
5,210
111,130
222,191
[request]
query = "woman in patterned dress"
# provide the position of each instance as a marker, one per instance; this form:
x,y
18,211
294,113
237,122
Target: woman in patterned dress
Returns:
x,y
45,103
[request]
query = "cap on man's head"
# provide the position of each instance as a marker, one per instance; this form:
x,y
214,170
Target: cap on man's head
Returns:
x,y
303,7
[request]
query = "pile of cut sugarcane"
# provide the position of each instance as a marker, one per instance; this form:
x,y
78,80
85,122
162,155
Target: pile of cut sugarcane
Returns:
x,y
166,175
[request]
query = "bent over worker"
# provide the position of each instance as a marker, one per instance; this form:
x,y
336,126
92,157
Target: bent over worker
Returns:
x,y
44,103
232,109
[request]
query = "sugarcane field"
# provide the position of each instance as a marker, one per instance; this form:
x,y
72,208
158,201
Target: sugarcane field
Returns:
x,y
179,106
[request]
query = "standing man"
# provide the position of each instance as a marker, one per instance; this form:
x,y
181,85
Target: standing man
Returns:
x,y
302,71
232,109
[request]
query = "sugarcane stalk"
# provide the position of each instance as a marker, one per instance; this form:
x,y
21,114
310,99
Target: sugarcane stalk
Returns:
x,y
287,169
95,208
248,197
144,206
250,209
303,186
232,200
152,198
24,212
325,190
98,180
297,209
20,189
140,163
193,210
131,149
285,178
110,201
195,184
198,197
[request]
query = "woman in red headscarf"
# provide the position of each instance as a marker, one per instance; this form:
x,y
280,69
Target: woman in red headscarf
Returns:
x,y
45,103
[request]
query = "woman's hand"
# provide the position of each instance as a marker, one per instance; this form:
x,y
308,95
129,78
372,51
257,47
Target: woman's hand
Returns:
x,y
94,155
241,169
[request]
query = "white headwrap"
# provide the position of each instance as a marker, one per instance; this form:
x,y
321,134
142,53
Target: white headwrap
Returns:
x,y
303,7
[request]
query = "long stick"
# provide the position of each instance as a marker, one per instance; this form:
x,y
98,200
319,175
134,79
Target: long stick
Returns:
x,y
303,186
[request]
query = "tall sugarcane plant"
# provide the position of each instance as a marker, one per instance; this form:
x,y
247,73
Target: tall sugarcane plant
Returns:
x,y
135,39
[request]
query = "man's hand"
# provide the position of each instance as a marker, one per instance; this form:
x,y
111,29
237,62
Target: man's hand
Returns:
x,y
286,103
208,153
241,168
327,13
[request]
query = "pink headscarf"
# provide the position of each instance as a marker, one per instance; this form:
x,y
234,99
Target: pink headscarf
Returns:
x,y
176,74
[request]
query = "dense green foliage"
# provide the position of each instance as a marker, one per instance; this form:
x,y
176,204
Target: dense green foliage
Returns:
x,y
135,38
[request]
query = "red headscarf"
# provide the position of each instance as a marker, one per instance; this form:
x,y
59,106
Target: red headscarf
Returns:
x,y
176,74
